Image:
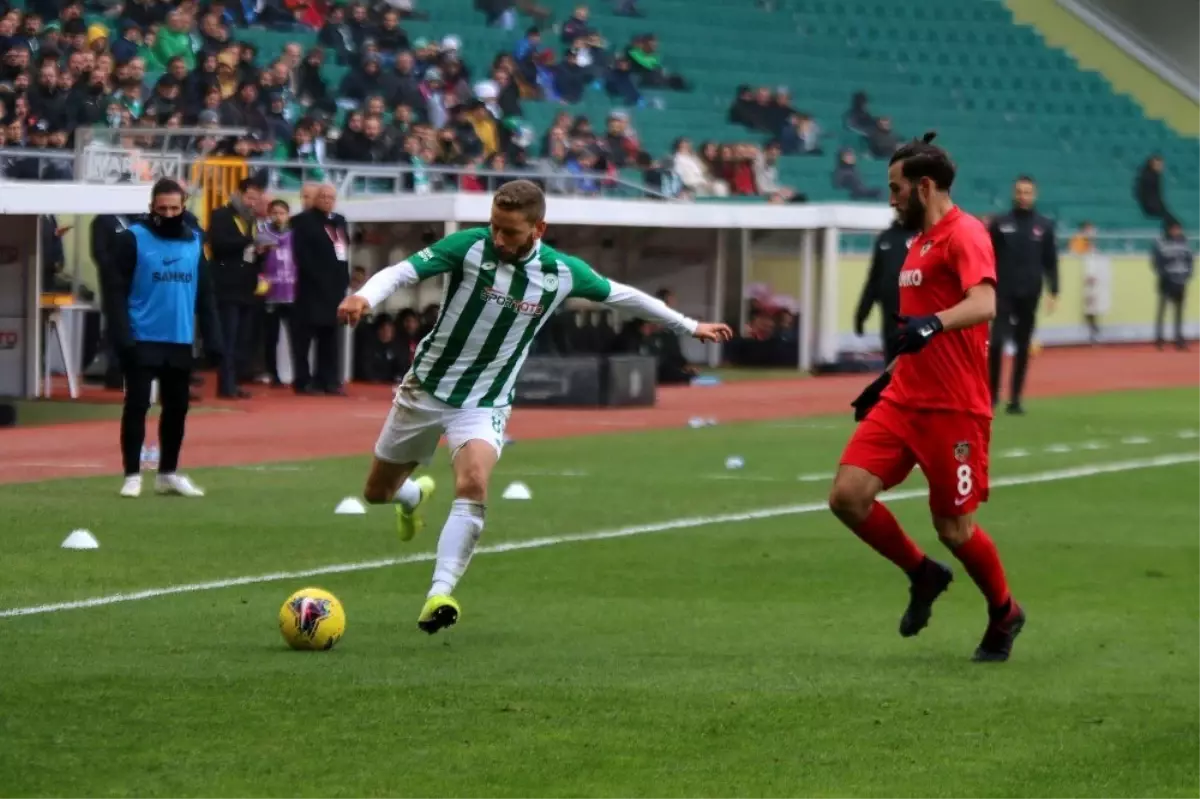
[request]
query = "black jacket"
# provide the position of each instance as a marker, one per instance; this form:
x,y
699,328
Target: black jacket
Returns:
x,y
321,277
116,277
1026,254
883,278
1173,264
235,277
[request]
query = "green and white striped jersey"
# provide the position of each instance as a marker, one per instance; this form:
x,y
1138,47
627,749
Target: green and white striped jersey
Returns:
x,y
492,310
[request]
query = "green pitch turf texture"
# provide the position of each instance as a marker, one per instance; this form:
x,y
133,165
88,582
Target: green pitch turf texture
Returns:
x,y
746,658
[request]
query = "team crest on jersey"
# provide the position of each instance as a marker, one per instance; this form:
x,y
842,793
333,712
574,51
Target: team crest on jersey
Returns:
x,y
487,266
962,451
925,247
550,283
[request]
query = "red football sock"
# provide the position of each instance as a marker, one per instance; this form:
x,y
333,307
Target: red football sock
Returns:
x,y
883,533
981,560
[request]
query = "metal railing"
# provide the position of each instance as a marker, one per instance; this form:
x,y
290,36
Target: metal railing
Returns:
x,y
97,160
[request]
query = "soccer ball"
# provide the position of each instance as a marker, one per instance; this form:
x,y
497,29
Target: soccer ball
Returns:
x,y
312,618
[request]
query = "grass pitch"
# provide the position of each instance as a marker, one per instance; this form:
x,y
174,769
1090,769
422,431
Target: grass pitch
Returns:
x,y
752,657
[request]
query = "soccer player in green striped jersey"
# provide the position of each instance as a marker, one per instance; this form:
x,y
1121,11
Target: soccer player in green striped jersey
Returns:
x,y
502,285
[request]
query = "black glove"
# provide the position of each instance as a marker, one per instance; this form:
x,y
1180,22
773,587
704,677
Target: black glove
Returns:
x,y
915,331
858,326
869,396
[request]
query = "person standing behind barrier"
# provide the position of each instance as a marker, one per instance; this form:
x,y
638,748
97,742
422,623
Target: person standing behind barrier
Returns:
x,y
308,195
157,286
279,270
105,229
231,234
1026,261
1174,265
321,249
882,285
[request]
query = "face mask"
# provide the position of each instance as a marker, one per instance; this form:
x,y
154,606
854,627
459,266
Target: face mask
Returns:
x,y
167,225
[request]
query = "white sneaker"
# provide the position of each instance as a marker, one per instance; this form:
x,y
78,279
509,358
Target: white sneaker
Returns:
x,y
132,486
177,485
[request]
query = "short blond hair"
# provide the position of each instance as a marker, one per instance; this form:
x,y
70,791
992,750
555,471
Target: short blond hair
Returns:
x,y
522,196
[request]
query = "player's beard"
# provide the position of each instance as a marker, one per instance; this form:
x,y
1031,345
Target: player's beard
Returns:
x,y
912,216
514,256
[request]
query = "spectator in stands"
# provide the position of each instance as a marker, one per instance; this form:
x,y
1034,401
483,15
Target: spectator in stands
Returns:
x,y
780,110
858,118
801,136
337,35
403,86
570,79
694,173
846,177
1174,266
737,165
882,141
643,54
740,108
1148,190
766,176
619,82
661,179
231,235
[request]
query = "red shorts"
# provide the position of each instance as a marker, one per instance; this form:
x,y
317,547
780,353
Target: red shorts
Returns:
x,y
950,447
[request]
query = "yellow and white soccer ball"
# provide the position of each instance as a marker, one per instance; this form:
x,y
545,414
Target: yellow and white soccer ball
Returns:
x,y
312,618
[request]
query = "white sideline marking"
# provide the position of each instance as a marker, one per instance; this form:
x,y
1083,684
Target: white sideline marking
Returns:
x,y
759,478
543,473
1093,445
1014,453
600,535
1057,449
1135,440
1187,434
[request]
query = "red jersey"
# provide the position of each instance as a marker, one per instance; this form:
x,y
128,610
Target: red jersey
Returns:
x,y
951,372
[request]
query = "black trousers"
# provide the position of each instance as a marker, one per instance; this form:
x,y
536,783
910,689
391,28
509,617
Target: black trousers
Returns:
x,y
327,376
1015,319
1169,296
277,317
237,331
170,364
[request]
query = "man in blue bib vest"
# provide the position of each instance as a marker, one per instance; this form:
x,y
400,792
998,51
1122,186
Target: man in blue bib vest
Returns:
x,y
158,284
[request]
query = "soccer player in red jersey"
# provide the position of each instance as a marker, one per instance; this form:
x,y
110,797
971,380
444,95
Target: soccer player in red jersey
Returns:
x,y
932,408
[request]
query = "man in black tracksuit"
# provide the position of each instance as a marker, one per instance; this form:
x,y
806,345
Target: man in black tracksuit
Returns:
x,y
1026,260
883,284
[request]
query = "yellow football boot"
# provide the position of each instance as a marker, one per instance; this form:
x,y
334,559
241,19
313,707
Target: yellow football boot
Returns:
x,y
440,611
409,522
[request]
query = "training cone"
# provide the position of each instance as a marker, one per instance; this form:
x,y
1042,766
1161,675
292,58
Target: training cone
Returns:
x,y
517,490
350,506
80,539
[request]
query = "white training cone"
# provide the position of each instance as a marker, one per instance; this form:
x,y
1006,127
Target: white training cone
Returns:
x,y
734,462
81,539
517,490
350,506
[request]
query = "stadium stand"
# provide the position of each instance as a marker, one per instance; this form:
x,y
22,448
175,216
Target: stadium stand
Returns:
x,y
1004,102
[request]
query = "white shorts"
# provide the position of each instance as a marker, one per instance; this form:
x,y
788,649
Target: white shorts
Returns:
x,y
417,421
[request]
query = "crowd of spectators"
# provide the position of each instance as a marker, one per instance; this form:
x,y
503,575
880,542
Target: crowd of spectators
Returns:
x,y
149,64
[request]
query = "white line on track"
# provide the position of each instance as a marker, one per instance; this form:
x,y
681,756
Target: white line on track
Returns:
x,y
600,535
